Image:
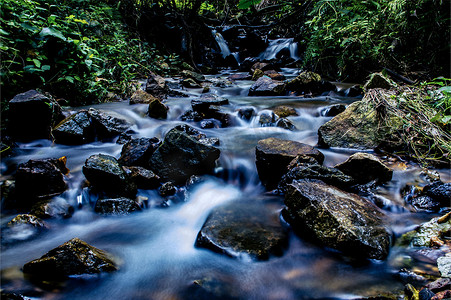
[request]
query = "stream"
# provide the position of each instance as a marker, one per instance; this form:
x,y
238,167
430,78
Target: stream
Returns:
x,y
155,247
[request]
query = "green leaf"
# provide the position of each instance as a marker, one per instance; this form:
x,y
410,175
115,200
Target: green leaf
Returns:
x,y
2,32
37,63
49,31
45,68
69,78
245,4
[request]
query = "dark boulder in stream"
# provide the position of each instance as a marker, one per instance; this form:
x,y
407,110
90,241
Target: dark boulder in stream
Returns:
x,y
156,86
309,83
116,206
183,154
205,101
106,174
74,257
273,155
143,178
157,109
243,229
137,152
337,219
142,97
365,167
265,86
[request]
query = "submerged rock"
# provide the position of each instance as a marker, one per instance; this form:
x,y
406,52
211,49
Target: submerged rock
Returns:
x,y
182,154
246,113
74,257
31,115
55,208
105,173
273,156
137,152
365,167
116,206
243,229
266,118
337,219
40,179
285,124
265,86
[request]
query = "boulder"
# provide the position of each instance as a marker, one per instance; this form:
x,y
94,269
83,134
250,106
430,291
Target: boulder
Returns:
x,y
31,116
75,129
261,66
305,167
205,101
182,154
143,178
359,127
198,78
337,219
40,179
157,109
116,206
444,265
27,219
192,116
266,118
240,76
190,83
378,80
309,83
156,86
55,208
265,86
167,189
246,113
273,156
106,174
333,110
365,167
440,192
209,288
243,229
137,152
284,111
423,203
257,74
107,125
74,257
285,124
142,97
274,75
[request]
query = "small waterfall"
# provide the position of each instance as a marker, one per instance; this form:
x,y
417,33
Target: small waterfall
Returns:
x,y
225,51
275,46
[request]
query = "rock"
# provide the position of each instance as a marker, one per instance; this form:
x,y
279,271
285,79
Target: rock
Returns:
x,y
261,66
143,178
27,219
75,129
211,289
157,109
284,111
190,83
167,189
257,74
192,116
305,167
273,156
424,203
182,154
55,208
421,236
443,295
156,86
31,115
265,86
338,219
205,101
425,294
39,179
198,78
410,292
207,124
106,124
333,110
440,192
439,285
444,265
378,80
274,75
142,97
74,257
365,167
245,76
137,152
358,127
105,173
285,124
243,229
8,194
266,118
246,113
309,83
117,206
12,296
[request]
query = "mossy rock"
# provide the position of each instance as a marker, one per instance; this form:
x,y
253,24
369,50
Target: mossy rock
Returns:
x,y
421,236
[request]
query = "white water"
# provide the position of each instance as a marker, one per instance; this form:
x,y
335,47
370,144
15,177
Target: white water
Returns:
x,y
221,43
277,45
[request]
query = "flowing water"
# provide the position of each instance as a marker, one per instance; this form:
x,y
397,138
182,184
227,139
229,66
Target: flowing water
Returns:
x,y
277,45
155,247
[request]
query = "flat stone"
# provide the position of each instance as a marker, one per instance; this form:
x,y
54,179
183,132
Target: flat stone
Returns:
x,y
284,111
365,167
204,102
265,86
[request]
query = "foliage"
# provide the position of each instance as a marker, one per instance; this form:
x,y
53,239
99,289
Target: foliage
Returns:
x,y
75,49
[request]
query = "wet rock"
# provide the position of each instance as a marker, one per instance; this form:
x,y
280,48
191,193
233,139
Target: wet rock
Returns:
x,y
309,83
423,203
210,141
261,66
265,86
142,97
425,294
285,124
243,229
354,91
143,178
182,154
74,257
210,289
75,129
444,265
443,295
167,189
273,156
411,277
12,296
284,111
365,167
378,80
192,116
205,101
105,173
207,124
39,179
421,236
333,110
266,118
157,109
245,76
410,292
27,220
55,208
190,83
198,78
107,125
137,152
246,113
274,75
124,138
156,86
359,127
116,206
440,192
338,219
438,285
304,167
31,115
257,74
8,194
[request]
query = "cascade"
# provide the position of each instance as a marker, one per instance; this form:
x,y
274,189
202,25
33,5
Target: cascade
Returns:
x,y
277,45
